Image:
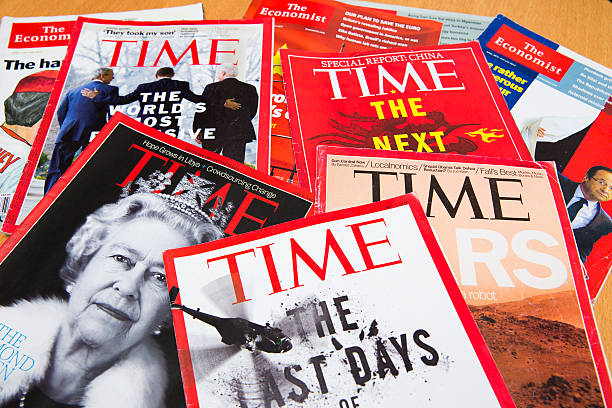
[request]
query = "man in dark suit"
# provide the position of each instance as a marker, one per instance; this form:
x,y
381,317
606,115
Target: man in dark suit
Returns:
x,y
233,128
583,200
78,117
160,101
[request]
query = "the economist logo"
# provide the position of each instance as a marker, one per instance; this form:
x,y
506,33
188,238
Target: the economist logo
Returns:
x,y
530,53
35,35
304,13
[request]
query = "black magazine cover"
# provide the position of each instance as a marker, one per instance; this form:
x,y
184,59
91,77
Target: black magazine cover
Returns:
x,y
85,315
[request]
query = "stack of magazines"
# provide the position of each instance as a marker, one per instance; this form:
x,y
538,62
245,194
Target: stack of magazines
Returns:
x,y
323,204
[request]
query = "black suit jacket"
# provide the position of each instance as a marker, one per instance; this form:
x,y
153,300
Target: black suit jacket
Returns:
x,y
562,151
233,126
599,226
157,101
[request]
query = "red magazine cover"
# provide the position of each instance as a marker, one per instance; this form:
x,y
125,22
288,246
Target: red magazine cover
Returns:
x,y
350,308
503,226
207,83
326,26
426,99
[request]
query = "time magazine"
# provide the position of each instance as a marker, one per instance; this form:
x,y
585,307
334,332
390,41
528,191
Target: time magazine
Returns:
x,y
414,100
504,229
332,27
84,297
562,104
31,51
206,83
351,308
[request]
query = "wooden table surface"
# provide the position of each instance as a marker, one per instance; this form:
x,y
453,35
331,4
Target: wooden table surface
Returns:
x,y
584,26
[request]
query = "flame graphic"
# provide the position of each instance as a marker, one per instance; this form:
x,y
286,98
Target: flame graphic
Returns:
x,y
276,61
487,135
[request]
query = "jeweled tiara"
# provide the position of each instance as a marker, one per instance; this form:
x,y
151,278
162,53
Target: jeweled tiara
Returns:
x,y
191,196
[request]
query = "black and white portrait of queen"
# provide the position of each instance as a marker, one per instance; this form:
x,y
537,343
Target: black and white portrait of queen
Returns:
x,y
101,343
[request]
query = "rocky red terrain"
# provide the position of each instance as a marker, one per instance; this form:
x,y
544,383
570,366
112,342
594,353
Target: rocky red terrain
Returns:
x,y
560,306
545,362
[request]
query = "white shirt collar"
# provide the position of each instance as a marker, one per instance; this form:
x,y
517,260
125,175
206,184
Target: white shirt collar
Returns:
x,y
586,213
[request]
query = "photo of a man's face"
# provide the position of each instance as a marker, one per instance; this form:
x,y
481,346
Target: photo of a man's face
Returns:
x,y
598,187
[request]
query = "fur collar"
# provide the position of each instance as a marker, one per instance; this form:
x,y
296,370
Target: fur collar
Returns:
x,y
138,380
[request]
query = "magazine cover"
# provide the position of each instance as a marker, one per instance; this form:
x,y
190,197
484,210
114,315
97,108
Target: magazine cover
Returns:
x,y
562,103
31,51
85,316
206,82
458,27
356,308
326,26
400,99
503,227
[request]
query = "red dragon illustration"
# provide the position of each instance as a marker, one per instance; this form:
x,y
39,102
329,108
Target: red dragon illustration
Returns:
x,y
358,135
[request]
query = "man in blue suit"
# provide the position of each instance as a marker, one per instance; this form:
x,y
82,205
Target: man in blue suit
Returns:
x,y
78,117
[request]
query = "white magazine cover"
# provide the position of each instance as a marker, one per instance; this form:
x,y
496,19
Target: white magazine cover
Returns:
x,y
458,27
31,51
352,308
165,74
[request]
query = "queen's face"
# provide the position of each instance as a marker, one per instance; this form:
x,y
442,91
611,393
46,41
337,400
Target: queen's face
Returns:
x,y
122,296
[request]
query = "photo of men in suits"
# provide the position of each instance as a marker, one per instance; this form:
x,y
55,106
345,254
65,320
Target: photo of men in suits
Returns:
x,y
160,101
232,128
78,117
583,201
